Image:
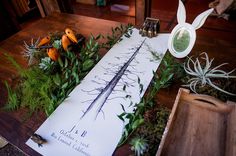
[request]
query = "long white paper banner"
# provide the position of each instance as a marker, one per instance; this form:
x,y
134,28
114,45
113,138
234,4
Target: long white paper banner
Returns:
x,y
86,123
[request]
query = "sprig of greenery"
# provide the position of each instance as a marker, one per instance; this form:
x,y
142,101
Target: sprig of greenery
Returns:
x,y
167,69
13,102
117,34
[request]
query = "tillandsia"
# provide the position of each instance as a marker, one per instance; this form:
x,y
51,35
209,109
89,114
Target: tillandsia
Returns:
x,y
203,73
30,50
139,145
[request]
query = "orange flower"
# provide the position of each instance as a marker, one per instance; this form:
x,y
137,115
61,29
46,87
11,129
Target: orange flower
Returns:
x,y
44,41
53,54
71,35
65,42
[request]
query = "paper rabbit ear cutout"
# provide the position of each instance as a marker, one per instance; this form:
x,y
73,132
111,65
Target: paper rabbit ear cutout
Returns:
x,y
200,19
181,13
183,36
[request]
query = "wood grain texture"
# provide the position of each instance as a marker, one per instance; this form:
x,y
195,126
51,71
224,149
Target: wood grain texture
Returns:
x,y
199,125
17,131
231,133
139,12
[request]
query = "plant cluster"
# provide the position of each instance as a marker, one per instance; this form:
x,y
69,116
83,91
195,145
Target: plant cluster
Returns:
x,y
54,70
202,75
57,63
140,122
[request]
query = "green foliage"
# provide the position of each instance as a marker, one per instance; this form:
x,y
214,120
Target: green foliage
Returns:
x,y
167,69
46,64
135,120
13,101
153,128
116,35
45,84
36,90
139,145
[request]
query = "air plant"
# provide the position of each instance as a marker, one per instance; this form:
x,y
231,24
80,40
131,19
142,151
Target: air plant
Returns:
x,y
30,50
139,145
202,76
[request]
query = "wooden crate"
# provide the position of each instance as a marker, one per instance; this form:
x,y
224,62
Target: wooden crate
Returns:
x,y
199,125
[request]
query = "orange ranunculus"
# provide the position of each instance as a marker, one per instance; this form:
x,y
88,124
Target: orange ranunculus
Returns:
x,y
44,41
71,35
65,42
53,54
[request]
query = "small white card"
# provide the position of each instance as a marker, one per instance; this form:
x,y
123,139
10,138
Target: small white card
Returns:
x,y
86,123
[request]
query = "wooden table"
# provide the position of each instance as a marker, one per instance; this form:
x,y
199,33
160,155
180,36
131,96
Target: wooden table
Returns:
x,y
16,131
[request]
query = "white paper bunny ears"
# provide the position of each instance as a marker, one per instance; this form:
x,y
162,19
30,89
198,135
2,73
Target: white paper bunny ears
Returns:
x,y
183,36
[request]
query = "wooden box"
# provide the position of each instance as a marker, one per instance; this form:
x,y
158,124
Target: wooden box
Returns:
x,y
199,125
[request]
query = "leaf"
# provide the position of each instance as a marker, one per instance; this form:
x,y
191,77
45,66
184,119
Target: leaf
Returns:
x,y
64,85
98,37
87,64
128,96
130,116
137,123
66,63
124,88
123,108
49,109
141,88
57,80
12,103
91,54
121,116
138,80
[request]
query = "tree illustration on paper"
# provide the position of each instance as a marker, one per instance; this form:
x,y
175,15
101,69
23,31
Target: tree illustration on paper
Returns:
x,y
96,104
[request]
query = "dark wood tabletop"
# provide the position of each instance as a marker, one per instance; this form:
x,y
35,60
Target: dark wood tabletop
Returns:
x,y
12,125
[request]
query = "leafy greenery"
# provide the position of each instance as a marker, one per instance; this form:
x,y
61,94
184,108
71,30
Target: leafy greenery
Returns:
x,y
46,64
46,83
116,35
153,128
167,69
13,101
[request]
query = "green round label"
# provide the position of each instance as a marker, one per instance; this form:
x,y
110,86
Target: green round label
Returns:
x,y
181,40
